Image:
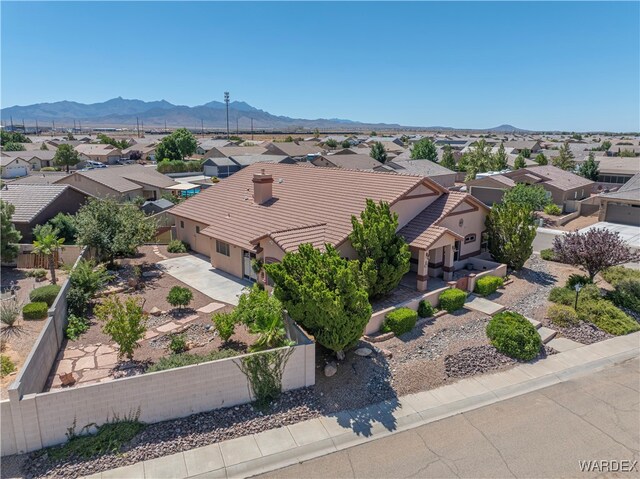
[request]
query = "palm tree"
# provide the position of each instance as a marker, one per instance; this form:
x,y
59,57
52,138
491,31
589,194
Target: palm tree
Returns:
x,y
48,243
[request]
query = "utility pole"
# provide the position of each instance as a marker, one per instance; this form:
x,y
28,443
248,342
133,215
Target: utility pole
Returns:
x,y
80,126
74,125
202,126
53,130
226,100
24,130
37,130
138,126
252,128
237,128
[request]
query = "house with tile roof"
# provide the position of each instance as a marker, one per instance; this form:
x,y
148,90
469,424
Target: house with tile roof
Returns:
x,y
13,166
37,204
123,183
622,206
266,210
562,186
107,154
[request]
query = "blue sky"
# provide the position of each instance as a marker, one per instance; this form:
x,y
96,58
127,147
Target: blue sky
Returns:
x,y
569,66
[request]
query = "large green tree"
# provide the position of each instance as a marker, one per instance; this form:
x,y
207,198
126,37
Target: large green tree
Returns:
x,y
66,156
476,160
177,146
424,149
113,229
448,160
13,146
48,243
324,293
589,169
9,235
519,162
541,159
499,160
533,197
565,159
384,255
107,140
378,152
511,230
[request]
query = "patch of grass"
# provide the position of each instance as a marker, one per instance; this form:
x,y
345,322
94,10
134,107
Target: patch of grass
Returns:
x,y
548,254
185,359
109,438
6,366
615,274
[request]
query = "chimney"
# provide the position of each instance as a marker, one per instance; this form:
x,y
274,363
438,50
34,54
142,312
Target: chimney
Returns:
x,y
262,187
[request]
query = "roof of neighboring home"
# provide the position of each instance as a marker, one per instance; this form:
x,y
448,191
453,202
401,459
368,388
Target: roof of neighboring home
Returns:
x,y
246,160
160,204
29,201
556,177
294,149
28,155
521,144
127,178
142,148
303,196
7,160
206,145
354,161
629,191
226,151
417,167
618,165
505,180
423,230
96,149
39,178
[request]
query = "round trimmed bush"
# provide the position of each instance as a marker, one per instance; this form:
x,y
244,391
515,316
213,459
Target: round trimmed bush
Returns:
x,y
607,317
45,294
452,299
400,321
488,284
512,334
552,209
425,310
36,310
562,315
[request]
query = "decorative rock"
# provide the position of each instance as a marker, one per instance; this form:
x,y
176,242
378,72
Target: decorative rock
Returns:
x,y
340,355
330,369
151,274
363,352
155,311
386,353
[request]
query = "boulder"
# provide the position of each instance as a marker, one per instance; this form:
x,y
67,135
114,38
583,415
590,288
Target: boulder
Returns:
x,y
363,352
155,311
330,369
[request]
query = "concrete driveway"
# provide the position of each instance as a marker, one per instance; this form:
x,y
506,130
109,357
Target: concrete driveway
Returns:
x,y
629,233
196,271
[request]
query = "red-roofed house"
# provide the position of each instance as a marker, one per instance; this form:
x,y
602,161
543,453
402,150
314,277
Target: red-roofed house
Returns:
x,y
267,210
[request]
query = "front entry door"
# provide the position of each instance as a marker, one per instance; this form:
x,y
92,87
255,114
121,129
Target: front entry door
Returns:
x,y
247,270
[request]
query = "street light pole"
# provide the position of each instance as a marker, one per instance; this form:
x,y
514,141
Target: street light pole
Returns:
x,y
226,100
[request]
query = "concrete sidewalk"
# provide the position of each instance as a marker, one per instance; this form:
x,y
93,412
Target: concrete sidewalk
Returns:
x,y
274,449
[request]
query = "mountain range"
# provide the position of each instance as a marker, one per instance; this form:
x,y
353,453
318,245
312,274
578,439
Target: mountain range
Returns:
x,y
121,112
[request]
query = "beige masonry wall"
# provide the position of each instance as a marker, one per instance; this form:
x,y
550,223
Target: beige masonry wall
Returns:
x,y
8,443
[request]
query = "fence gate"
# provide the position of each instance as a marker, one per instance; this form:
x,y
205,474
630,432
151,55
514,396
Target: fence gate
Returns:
x,y
30,260
463,283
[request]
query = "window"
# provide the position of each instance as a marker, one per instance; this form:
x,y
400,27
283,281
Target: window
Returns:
x,y
222,248
470,238
197,229
181,224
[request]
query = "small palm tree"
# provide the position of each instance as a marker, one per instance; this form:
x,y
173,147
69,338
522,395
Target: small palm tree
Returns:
x,y
48,244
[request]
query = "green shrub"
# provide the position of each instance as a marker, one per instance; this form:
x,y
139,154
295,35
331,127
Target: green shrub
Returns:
x,y
38,273
178,344
225,324
626,294
9,313
425,310
548,254
573,279
185,359
552,209
46,294
512,334
400,321
88,277
77,301
125,323
615,274
6,366
488,284
35,310
176,246
76,326
562,315
567,296
452,299
179,296
607,317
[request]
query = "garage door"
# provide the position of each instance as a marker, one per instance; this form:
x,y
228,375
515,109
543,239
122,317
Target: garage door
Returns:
x,y
15,171
623,214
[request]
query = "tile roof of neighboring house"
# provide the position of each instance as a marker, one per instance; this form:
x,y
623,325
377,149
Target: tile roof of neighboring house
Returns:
x,y
521,144
303,195
28,155
505,180
556,177
290,239
96,149
7,160
38,178
28,200
423,230
294,149
127,178
618,165
226,151
246,160
206,145
355,161
418,167
629,191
